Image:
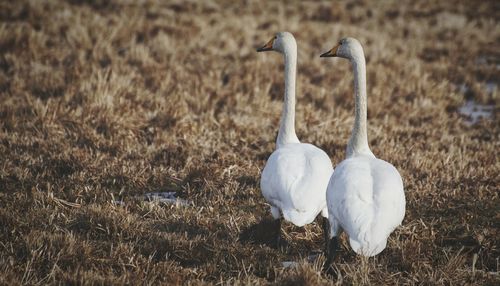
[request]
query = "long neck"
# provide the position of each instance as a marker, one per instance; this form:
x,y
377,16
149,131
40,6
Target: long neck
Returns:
x,y
286,133
358,143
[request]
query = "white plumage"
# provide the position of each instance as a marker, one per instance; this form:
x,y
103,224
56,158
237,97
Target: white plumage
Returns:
x,y
296,175
294,182
365,198
365,195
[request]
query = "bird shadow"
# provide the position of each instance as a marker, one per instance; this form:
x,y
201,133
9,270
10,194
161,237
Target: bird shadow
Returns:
x,y
261,233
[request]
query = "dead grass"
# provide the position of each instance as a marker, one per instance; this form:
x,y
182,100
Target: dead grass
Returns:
x,y
108,100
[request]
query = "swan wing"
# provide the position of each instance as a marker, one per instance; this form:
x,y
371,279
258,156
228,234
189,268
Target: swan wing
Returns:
x,y
350,198
282,172
388,196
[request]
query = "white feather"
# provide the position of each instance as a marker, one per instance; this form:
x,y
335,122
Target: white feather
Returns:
x,y
366,199
294,181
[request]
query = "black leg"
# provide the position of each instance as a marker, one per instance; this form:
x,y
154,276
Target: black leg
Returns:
x,y
280,239
333,248
278,233
326,232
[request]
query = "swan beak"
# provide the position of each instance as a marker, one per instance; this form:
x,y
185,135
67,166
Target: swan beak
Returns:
x,y
331,53
267,47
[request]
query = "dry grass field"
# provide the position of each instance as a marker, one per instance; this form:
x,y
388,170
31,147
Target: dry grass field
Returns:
x,y
103,101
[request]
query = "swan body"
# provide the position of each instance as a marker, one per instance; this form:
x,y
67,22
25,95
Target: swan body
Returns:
x,y
365,198
294,182
365,195
296,175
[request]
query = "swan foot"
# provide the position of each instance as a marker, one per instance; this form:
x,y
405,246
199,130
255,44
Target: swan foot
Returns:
x,y
331,271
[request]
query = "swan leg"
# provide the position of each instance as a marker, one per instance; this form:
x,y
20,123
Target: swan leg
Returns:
x,y
333,249
280,240
326,232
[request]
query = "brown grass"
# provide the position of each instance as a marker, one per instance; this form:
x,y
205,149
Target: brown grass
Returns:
x,y
108,100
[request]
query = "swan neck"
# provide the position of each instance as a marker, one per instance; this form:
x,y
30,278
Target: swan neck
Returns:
x,y
286,133
358,143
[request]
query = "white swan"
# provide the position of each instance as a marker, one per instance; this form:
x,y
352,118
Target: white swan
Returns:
x,y
365,195
296,174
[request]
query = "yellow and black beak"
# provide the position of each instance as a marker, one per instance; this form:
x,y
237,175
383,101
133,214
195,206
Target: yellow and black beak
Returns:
x,y
267,47
331,53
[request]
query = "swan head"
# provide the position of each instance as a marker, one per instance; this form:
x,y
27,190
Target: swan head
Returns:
x,y
281,42
347,48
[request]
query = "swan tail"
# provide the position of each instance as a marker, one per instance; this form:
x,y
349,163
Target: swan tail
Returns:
x,y
297,218
367,249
